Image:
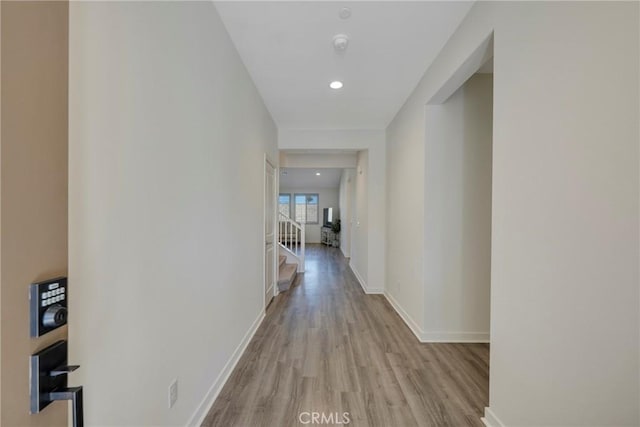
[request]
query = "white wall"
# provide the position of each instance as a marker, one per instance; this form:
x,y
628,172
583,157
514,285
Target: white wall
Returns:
x,y
373,141
457,214
318,159
361,227
564,287
167,138
405,225
327,198
440,188
346,194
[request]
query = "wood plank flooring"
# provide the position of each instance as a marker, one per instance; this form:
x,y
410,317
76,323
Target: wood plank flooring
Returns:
x,y
325,346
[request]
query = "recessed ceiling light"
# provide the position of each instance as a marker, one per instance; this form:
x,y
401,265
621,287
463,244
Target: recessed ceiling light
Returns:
x,y
336,84
317,173
345,13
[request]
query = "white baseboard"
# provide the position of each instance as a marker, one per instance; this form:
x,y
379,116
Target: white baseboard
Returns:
x,y
456,337
363,284
343,254
207,402
490,419
435,337
417,331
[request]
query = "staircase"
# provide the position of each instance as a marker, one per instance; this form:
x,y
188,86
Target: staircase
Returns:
x,y
286,273
291,237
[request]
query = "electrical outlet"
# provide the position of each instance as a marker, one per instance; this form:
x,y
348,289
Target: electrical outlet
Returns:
x,y
173,393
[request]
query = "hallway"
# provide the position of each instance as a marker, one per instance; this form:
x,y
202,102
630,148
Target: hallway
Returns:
x,y
327,347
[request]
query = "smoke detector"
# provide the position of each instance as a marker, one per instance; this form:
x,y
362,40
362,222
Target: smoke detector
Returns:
x,y
340,42
345,13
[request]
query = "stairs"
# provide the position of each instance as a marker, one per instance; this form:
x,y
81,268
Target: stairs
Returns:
x,y
286,273
291,240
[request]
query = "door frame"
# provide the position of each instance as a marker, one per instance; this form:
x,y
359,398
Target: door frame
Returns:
x,y
269,161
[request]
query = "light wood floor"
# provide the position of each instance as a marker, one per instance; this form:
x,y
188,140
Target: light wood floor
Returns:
x,y
325,346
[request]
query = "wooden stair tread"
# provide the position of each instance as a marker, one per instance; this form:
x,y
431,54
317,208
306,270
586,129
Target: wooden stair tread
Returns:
x,y
287,273
281,260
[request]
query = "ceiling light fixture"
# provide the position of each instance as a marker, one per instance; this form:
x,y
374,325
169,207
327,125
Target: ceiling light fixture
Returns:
x,y
317,173
336,84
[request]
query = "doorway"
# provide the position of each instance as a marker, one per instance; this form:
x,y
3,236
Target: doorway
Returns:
x,y
458,187
269,231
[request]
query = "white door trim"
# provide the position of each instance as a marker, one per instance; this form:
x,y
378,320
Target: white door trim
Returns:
x,y
268,161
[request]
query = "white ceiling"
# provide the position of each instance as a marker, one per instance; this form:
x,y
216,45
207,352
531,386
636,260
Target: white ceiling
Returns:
x,y
307,178
287,48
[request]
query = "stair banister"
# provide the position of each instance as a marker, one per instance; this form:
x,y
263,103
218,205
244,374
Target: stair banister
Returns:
x,y
291,237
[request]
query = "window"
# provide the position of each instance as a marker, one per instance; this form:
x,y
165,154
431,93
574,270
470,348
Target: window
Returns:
x,y
306,208
284,204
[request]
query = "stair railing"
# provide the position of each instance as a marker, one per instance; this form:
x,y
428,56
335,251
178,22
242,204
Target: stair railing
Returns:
x,y
291,236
